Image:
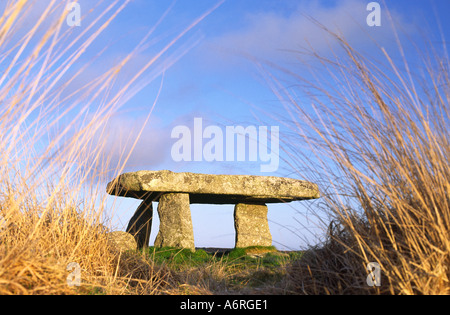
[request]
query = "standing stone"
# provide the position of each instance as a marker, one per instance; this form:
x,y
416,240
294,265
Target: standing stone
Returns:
x,y
175,227
140,224
252,227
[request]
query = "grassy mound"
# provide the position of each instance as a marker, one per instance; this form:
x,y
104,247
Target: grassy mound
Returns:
x,y
249,270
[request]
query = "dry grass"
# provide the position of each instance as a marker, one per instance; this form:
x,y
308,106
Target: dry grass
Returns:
x,y
52,185
379,138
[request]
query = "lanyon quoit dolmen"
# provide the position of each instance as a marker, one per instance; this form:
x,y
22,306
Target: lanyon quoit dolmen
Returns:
x,y
176,191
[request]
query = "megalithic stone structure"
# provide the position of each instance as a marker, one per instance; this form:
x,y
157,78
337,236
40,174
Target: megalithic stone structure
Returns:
x,y
176,191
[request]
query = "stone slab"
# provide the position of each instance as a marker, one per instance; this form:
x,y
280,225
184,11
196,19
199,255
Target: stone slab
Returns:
x,y
212,189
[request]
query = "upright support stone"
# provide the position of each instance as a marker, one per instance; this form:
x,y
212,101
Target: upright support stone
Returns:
x,y
175,228
140,224
252,227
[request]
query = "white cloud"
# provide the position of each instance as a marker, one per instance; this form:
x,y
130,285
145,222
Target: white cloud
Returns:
x,y
268,35
151,149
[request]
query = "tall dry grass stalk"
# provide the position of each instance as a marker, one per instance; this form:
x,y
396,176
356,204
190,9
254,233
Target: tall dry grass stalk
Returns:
x,y
377,142
52,194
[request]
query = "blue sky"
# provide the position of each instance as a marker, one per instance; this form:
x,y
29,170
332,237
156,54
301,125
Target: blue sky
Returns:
x,y
214,79
212,73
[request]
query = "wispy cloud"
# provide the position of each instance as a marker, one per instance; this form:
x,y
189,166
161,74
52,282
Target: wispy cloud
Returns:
x,y
268,35
121,139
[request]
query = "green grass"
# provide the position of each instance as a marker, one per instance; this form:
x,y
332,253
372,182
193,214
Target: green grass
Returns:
x,y
255,255
178,257
240,270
